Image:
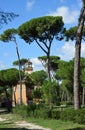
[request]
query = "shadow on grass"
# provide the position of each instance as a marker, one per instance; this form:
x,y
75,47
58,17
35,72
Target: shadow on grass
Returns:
x,y
78,128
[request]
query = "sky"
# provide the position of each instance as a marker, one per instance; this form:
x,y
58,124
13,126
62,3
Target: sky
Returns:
x,y
28,9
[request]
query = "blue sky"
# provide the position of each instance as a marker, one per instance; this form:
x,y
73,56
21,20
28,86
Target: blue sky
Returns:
x,y
28,9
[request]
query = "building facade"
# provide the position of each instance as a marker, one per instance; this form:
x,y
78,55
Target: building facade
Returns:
x,y
26,91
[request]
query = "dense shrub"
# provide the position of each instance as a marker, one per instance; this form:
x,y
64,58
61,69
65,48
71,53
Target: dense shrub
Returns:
x,y
21,110
67,115
76,116
31,109
55,114
43,113
69,103
80,116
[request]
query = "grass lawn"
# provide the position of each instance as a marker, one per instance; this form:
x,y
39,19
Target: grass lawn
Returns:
x,y
8,123
57,124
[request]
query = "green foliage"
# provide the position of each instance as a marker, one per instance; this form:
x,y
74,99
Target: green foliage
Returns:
x,y
51,92
37,93
82,77
9,77
55,114
31,109
65,75
82,73
8,35
42,28
29,81
53,62
22,62
39,77
68,115
70,34
43,113
76,116
80,118
21,110
65,70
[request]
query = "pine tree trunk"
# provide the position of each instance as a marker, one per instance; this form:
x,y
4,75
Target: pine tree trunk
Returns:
x,y
77,60
20,78
48,67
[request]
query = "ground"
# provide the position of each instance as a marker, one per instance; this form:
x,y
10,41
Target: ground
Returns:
x,y
7,122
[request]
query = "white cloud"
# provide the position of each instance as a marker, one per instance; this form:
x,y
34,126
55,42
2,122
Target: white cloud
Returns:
x,y
30,4
67,51
69,15
2,66
37,65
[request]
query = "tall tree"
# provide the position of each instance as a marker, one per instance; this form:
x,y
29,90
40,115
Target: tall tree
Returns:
x,y
77,55
77,58
42,30
7,36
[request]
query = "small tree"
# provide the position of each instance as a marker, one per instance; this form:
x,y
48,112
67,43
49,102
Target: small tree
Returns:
x,y
8,78
52,97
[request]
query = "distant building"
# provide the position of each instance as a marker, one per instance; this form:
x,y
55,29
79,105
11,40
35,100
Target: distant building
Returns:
x,y
28,69
26,91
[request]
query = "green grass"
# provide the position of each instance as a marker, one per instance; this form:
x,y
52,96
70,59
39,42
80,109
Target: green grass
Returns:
x,y
57,124
8,124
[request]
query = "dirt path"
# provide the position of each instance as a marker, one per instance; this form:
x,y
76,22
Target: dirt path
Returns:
x,y
20,123
29,126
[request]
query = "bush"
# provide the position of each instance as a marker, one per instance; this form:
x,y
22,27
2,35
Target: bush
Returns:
x,y
43,113
80,118
67,115
31,109
76,116
21,110
56,114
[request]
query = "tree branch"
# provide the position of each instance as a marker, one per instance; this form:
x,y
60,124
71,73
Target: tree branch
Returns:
x,y
40,46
